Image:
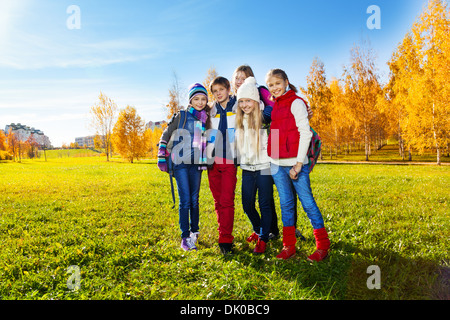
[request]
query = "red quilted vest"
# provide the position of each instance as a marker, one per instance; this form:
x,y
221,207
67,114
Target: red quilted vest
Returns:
x,y
284,122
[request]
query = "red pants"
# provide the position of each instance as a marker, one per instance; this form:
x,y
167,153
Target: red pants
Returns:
x,y
222,183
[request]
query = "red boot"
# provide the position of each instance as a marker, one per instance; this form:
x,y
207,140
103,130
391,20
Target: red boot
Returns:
x,y
289,241
260,247
322,245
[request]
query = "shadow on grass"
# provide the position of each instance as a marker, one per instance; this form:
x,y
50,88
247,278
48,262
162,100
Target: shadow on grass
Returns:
x,y
402,278
344,274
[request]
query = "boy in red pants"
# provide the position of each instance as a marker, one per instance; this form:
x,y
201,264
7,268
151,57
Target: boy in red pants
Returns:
x,y
221,153
222,158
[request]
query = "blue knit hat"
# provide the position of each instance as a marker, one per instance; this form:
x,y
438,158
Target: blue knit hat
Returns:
x,y
197,89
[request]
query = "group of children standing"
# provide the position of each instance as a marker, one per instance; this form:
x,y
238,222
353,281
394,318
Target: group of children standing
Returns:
x,y
263,130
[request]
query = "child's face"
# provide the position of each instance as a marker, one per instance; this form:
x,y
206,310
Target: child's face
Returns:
x,y
220,93
239,79
247,105
199,102
277,86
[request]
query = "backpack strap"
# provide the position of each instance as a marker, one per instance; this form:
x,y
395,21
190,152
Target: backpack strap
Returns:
x,y
182,119
181,124
314,149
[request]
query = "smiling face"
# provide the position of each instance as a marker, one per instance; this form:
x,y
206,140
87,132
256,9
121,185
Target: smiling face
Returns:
x,y
247,105
277,86
199,102
220,93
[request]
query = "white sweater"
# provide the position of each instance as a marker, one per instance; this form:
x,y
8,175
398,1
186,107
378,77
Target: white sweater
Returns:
x,y
249,159
298,109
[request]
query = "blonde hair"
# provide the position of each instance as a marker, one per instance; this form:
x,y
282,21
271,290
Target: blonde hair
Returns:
x,y
255,122
281,75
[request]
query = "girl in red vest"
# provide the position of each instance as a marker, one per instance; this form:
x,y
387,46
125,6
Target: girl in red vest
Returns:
x,y
240,74
289,141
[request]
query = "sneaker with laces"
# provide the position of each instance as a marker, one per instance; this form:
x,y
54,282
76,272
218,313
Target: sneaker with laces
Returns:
x,y
260,247
287,252
184,244
187,244
253,237
194,237
318,255
191,244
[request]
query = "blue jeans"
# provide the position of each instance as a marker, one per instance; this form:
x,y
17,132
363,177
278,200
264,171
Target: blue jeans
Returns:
x,y
188,179
261,182
302,186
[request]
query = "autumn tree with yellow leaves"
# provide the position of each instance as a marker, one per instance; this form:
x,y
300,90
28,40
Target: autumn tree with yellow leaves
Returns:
x,y
342,133
418,89
211,74
413,105
319,97
103,116
4,153
129,135
153,137
404,64
424,59
362,88
346,110
13,144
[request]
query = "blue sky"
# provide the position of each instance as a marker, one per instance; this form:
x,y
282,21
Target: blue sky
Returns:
x,y
51,75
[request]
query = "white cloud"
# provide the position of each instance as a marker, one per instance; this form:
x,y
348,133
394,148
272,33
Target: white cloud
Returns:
x,y
31,51
29,44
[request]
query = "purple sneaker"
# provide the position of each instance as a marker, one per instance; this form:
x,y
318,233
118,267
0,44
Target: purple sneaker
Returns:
x,y
187,244
184,244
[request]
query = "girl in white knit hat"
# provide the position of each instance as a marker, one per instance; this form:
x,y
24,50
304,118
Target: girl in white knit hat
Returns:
x,y
251,142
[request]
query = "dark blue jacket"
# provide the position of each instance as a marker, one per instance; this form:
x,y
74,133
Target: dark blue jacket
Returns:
x,y
223,126
183,153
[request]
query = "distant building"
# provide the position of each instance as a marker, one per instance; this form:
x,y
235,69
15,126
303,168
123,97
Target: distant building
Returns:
x,y
152,125
86,142
24,132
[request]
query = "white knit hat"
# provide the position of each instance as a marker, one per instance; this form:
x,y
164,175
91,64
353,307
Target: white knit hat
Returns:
x,y
248,90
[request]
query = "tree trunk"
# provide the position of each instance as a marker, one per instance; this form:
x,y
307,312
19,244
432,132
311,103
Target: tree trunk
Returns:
x,y
401,147
366,147
438,156
438,150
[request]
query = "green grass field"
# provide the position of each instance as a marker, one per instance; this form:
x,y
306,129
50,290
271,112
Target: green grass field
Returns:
x,y
68,153
116,223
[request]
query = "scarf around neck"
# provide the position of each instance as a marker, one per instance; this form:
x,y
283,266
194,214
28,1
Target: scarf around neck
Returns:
x,y
200,134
